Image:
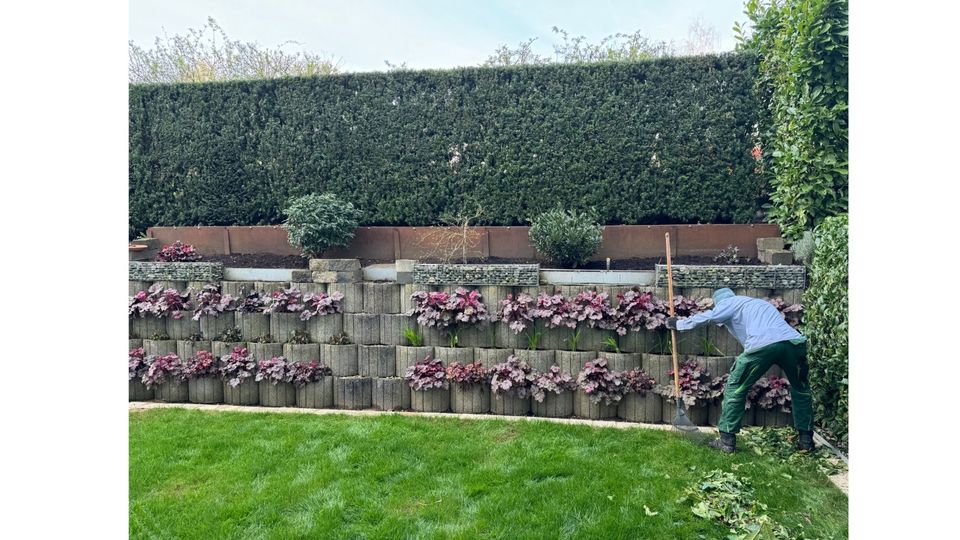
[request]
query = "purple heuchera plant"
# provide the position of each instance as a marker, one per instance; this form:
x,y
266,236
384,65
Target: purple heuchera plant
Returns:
x,y
639,381
426,374
178,252
237,365
792,313
555,311
511,377
275,370
159,302
137,364
319,304
204,364
517,312
601,383
636,311
593,308
312,372
686,307
252,303
695,385
553,380
467,374
163,369
771,393
441,309
286,301
211,303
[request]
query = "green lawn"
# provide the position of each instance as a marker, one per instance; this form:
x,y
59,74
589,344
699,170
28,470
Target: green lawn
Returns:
x,y
209,475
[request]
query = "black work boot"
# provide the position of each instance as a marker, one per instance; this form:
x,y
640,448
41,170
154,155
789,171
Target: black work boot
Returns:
x,y
806,441
726,443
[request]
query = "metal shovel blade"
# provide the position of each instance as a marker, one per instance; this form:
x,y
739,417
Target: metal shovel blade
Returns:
x,y
681,422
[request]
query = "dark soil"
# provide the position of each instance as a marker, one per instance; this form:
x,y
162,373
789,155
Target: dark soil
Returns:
x,y
267,260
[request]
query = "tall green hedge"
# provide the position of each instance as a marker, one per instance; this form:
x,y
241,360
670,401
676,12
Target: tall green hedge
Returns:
x,y
644,142
803,59
825,318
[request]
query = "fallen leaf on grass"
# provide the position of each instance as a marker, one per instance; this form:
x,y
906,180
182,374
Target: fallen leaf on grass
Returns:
x,y
649,512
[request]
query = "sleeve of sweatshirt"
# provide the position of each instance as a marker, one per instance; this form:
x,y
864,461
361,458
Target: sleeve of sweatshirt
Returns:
x,y
718,315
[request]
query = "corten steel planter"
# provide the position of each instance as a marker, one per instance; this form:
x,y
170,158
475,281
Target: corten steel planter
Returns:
x,y
341,359
381,298
376,360
772,418
646,408
145,327
253,325
391,394
432,400
224,348
305,352
622,361
264,351
470,399
392,327
183,327
322,327
172,392
139,391
698,414
572,361
482,334
635,342
508,404
352,295
448,355
408,356
352,392
277,395
283,325
245,393
161,347
538,360
189,349
316,395
584,407
554,405
363,328
205,389
134,344
213,326
491,357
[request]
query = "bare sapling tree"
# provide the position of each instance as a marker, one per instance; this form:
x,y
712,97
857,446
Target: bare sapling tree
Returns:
x,y
456,237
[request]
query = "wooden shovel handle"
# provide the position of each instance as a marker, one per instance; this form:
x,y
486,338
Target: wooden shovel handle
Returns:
x,y
673,333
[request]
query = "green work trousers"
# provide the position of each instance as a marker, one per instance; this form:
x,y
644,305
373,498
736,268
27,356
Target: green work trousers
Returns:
x,y
791,356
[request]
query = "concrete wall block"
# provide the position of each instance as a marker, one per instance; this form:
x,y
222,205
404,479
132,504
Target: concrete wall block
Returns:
x,y
554,405
337,277
769,243
505,338
322,327
391,394
584,407
170,284
172,392
406,291
432,400
305,353
224,348
159,347
189,349
491,357
139,391
509,405
277,395
636,342
492,295
448,355
352,392
790,296
341,359
482,334
657,365
352,295
205,390
300,278
376,360
538,360
773,418
647,409
316,395
381,298
622,361
594,339
212,326
245,393
392,327
408,356
362,328
283,325
264,351
135,286
269,287
146,327
237,289
252,325
699,414
470,399
554,338
134,344
334,265
310,287
722,342
433,336
572,361
182,328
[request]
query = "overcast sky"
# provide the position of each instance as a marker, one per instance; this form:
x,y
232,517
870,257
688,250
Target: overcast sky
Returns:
x,y
427,33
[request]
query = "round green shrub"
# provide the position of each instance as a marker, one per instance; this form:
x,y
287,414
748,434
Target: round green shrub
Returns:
x,y
566,237
316,223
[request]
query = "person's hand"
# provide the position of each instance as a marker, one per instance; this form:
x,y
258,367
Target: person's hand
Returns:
x,y
672,323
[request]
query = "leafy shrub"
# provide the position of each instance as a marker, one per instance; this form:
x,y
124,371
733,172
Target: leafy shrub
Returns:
x,y
553,380
511,377
695,385
316,223
826,324
161,369
275,370
212,303
204,364
566,237
286,301
426,374
803,247
230,335
728,255
178,252
137,364
467,374
639,381
311,372
237,366
321,304
517,312
601,383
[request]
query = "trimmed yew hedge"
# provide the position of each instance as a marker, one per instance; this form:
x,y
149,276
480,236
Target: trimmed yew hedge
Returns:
x,y
671,136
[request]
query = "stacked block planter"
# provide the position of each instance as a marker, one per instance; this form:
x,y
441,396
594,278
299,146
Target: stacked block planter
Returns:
x,y
322,327
692,341
698,414
172,392
391,394
283,325
765,417
309,287
277,395
341,359
406,291
435,337
554,405
269,287
551,338
715,408
245,393
584,407
657,366
182,328
205,390
315,395
381,298
189,349
219,349
146,327
352,295
622,361
492,295
212,327
505,338
159,347
635,342
301,352
171,284
363,328
721,338
408,356
470,399
392,327
139,391
134,344
252,325
646,408
448,355
264,351
376,360
483,334
594,339
237,289
491,357
538,360
134,286
572,361
432,400
509,405
352,392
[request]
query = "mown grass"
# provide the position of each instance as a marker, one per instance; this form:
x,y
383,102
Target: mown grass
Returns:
x,y
197,474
